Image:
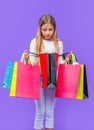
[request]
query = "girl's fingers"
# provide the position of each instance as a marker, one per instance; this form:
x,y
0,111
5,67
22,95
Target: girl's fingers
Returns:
x,y
67,59
70,55
26,54
25,51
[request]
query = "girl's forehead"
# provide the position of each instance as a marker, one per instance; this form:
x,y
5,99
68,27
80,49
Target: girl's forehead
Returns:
x,y
47,25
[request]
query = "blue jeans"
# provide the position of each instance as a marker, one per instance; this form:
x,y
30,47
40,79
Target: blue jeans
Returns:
x,y
45,108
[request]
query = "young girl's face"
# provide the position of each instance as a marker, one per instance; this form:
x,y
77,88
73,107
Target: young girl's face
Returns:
x,y
47,31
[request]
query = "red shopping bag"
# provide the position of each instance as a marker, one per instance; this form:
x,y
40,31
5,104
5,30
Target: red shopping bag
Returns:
x,y
67,82
27,78
48,63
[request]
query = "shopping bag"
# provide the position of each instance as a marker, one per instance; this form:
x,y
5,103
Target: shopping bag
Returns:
x,y
82,89
82,92
49,63
13,81
67,82
6,83
26,81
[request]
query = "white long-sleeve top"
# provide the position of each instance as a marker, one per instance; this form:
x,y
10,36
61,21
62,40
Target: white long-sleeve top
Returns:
x,y
48,48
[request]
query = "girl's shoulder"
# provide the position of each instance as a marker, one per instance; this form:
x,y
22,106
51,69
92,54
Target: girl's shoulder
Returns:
x,y
60,42
33,40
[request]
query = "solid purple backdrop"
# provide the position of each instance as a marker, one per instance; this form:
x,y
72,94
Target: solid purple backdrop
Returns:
x,y
75,26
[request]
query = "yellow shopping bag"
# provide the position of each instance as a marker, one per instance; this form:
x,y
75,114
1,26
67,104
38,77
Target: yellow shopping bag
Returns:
x,y
82,92
13,83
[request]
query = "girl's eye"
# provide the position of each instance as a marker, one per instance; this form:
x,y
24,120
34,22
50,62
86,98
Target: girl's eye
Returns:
x,y
43,29
51,29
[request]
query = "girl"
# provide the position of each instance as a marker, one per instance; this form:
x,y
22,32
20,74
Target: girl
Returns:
x,y
45,41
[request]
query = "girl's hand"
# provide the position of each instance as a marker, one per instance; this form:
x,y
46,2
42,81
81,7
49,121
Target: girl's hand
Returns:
x,y
70,55
26,55
69,58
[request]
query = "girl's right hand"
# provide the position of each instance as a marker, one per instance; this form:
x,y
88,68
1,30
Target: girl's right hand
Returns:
x,y
26,55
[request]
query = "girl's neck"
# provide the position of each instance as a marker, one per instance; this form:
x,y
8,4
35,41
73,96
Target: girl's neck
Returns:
x,y
47,39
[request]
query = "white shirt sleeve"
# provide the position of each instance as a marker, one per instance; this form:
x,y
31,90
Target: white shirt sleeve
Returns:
x,y
32,50
61,61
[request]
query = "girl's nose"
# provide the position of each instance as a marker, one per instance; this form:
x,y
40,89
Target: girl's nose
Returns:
x,y
47,32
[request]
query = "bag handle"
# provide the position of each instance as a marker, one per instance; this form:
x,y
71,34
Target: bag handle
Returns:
x,y
33,54
73,60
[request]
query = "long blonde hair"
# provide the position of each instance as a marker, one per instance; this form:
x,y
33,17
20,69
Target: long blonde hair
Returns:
x,y
39,43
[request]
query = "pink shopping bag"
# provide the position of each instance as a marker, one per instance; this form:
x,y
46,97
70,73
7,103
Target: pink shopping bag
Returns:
x,y
67,82
27,80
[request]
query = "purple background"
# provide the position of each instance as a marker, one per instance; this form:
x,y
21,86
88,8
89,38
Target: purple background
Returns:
x,y
75,26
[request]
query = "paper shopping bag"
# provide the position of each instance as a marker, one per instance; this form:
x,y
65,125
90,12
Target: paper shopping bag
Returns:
x,y
48,63
67,82
13,81
82,91
26,81
8,75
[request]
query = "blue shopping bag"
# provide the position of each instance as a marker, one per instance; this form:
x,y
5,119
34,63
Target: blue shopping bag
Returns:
x,y
6,83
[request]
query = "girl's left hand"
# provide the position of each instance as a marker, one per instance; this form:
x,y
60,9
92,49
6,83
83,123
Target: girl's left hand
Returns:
x,y
69,57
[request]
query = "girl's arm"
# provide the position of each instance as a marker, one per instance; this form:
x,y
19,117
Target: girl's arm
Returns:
x,y
61,61
32,50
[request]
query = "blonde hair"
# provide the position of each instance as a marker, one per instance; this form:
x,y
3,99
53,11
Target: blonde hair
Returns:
x,y
39,43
